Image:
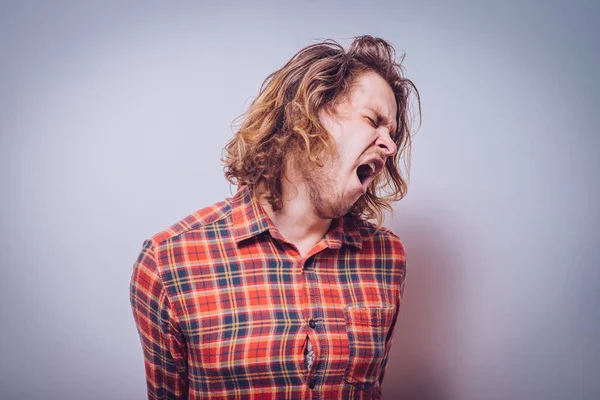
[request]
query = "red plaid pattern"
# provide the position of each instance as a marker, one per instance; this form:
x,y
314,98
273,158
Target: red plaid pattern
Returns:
x,y
223,305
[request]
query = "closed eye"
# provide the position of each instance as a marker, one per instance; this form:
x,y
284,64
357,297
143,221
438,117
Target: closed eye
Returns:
x,y
376,123
373,122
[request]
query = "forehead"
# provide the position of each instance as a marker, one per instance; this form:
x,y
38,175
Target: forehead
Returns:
x,y
370,90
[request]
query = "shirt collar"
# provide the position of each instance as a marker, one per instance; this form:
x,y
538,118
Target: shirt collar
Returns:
x,y
249,219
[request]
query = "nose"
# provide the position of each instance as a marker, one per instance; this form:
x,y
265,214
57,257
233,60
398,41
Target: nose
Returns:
x,y
386,144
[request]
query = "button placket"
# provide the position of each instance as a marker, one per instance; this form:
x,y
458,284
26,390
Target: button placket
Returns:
x,y
313,312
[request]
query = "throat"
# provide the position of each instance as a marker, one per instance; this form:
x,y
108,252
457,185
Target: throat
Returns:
x,y
298,226
306,246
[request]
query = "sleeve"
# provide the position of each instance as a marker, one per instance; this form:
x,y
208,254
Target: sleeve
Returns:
x,y
163,344
390,336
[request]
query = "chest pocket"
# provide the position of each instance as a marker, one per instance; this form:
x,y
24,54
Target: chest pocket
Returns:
x,y
367,330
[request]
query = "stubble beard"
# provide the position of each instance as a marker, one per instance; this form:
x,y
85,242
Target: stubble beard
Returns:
x,y
322,192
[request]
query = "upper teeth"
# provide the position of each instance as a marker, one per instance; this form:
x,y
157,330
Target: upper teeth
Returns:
x,y
372,166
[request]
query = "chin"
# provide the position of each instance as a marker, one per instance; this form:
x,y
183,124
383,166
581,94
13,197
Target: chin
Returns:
x,y
333,211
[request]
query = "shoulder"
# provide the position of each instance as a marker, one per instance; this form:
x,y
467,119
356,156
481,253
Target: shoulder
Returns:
x,y
200,220
381,239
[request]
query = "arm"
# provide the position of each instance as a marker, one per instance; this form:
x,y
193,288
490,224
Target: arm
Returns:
x,y
163,345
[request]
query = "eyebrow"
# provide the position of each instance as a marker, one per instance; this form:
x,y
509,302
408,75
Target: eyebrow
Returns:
x,y
384,120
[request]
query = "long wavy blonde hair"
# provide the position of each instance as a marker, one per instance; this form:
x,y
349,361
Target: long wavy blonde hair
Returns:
x,y
283,122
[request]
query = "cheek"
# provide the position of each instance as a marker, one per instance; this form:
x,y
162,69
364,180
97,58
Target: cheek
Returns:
x,y
349,138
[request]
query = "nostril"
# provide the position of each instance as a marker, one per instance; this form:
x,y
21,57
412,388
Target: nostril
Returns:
x,y
388,149
387,144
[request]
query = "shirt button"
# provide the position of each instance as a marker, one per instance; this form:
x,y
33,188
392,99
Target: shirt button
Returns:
x,y
312,383
312,323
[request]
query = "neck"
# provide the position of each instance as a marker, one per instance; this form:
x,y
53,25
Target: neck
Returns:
x,y
297,220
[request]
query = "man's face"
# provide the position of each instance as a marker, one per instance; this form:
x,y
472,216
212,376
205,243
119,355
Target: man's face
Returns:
x,y
361,128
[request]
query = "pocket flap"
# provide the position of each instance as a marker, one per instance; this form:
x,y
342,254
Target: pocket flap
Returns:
x,y
369,316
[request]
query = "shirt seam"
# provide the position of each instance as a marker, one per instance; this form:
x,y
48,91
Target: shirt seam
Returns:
x,y
196,227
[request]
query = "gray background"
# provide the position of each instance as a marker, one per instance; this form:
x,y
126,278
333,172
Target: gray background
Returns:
x,y
112,121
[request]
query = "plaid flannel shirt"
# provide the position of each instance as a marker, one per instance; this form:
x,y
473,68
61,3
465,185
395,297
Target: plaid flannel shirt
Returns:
x,y
223,305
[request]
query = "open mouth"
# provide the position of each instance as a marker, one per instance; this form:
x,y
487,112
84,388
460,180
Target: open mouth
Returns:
x,y
366,171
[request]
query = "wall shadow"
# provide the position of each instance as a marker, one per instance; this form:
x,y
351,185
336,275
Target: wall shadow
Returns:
x,y
428,334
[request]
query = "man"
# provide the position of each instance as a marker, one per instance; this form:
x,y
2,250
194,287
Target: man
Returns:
x,y
285,291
